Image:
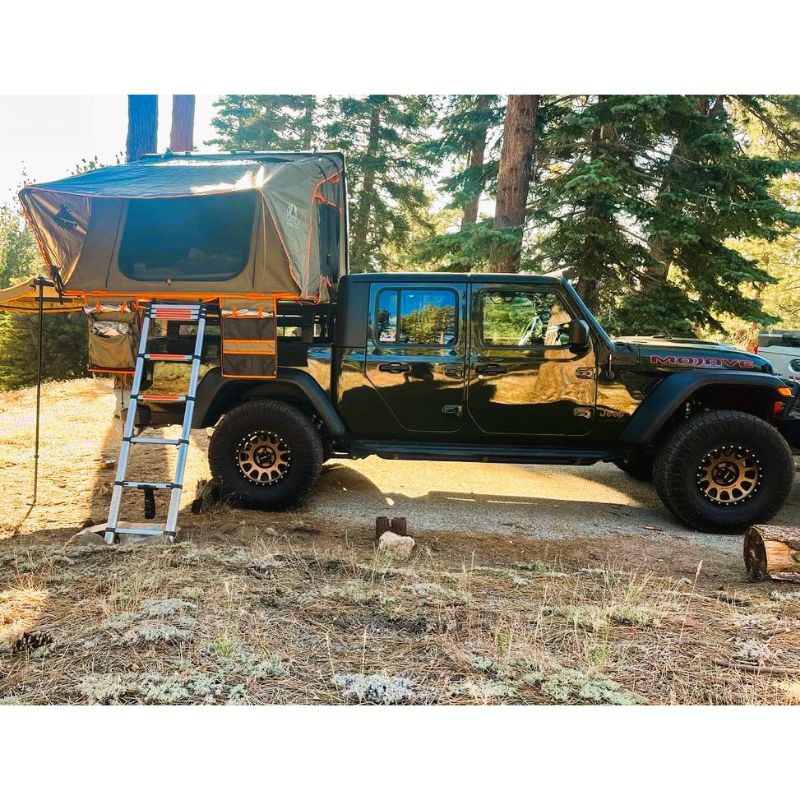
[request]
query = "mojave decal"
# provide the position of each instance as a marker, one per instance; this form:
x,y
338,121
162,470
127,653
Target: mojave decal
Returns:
x,y
702,361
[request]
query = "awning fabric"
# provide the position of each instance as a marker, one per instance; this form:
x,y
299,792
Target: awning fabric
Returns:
x,y
24,298
297,246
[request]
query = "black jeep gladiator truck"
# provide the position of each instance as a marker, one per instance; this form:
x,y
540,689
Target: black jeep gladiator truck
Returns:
x,y
494,368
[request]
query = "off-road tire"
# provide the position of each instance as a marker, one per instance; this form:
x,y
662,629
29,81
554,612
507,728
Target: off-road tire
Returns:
x,y
638,465
679,459
296,433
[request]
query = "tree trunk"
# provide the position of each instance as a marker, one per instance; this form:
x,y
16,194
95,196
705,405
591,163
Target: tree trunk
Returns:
x,y
308,121
181,138
513,180
772,551
470,216
142,125
364,208
475,162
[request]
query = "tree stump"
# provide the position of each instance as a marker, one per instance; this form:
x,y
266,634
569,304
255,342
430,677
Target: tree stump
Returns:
x,y
772,551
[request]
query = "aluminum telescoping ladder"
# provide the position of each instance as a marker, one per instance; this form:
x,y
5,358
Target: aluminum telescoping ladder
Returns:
x,y
158,311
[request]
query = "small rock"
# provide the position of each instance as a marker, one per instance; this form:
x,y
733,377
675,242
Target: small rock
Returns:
x,y
87,538
396,546
94,534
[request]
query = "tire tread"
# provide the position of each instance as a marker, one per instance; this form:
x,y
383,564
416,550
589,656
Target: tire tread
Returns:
x,y
672,463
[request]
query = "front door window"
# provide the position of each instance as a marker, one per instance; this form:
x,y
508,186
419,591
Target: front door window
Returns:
x,y
525,380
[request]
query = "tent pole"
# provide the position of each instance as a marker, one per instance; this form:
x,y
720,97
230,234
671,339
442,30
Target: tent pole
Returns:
x,y
40,283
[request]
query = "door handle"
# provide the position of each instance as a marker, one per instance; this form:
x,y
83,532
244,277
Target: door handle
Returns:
x,y
490,369
395,367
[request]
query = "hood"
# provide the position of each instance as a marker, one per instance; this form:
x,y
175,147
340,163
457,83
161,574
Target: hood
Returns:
x,y
674,354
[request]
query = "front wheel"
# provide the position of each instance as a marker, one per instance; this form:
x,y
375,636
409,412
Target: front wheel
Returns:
x,y
266,454
722,471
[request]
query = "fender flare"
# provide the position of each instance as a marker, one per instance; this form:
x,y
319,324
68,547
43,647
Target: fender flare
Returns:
x,y
656,409
215,393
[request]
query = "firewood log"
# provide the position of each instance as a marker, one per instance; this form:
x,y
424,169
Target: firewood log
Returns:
x,y
772,551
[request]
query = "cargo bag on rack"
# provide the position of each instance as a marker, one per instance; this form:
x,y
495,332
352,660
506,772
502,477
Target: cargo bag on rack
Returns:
x,y
113,336
249,342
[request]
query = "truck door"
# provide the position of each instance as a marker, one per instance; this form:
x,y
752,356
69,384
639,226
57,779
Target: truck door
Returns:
x,y
523,377
416,351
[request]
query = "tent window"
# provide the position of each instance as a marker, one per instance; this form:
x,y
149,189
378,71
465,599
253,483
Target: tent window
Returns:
x,y
328,218
188,238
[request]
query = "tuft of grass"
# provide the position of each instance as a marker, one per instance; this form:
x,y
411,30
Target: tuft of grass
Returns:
x,y
375,689
571,685
484,692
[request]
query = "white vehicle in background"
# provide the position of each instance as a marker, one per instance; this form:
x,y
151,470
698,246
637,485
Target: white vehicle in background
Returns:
x,y
782,350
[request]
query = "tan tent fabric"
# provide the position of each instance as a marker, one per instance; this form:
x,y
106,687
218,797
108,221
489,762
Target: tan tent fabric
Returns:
x,y
147,229
24,298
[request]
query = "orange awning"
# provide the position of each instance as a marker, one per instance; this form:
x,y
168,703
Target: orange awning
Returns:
x,y
24,299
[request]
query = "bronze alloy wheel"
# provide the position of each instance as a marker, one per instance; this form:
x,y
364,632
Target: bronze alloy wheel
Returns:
x,y
263,458
729,475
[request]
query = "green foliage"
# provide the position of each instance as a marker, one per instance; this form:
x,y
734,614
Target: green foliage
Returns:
x,y
19,255
64,348
468,124
267,122
771,129
644,194
65,338
384,137
464,250
427,325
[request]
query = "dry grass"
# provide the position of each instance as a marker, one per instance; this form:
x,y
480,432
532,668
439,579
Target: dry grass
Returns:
x,y
330,622
256,608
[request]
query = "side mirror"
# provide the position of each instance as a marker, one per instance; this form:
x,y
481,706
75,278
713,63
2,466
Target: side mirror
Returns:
x,y
578,334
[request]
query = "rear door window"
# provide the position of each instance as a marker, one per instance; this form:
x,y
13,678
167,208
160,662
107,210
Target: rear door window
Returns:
x,y
417,317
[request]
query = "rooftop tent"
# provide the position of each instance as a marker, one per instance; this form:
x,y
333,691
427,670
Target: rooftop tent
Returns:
x,y
205,226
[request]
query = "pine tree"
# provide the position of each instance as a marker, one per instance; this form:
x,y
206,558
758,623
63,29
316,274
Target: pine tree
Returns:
x,y
18,252
384,137
770,128
267,122
470,128
64,348
643,194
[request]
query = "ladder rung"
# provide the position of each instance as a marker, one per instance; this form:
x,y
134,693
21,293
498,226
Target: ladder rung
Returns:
x,y
167,357
141,531
152,440
178,313
162,398
148,485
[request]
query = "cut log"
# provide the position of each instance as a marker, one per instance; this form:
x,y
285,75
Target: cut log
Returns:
x,y
207,496
772,551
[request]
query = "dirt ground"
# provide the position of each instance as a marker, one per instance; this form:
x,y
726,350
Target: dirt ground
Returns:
x,y
528,584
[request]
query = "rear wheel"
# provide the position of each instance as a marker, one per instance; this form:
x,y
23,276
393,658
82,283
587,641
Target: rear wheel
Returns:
x,y
722,471
266,454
